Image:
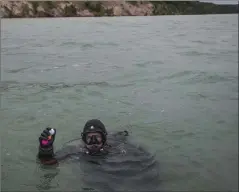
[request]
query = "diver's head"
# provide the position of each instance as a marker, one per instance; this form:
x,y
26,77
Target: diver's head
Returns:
x,y
94,135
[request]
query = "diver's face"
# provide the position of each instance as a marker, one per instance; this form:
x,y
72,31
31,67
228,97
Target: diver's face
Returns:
x,y
94,141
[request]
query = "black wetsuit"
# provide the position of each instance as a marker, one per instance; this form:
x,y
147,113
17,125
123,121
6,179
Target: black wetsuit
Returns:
x,y
47,156
121,166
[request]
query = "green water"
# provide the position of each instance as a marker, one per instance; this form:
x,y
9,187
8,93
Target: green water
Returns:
x,y
172,81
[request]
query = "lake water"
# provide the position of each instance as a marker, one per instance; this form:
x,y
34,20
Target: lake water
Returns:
x,y
172,81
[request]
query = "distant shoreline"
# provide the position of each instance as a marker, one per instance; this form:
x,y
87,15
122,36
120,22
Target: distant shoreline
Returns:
x,y
75,17
63,9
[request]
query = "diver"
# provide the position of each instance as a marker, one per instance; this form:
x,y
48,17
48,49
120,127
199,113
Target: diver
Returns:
x,y
94,137
115,162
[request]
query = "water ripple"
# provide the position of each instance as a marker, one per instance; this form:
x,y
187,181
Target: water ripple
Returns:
x,y
194,77
177,88
207,78
8,85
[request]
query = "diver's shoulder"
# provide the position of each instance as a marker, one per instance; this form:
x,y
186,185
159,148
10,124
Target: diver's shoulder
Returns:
x,y
119,136
120,133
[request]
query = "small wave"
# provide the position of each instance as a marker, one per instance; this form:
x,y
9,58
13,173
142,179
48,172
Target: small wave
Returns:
x,y
193,77
203,42
38,45
197,96
79,44
197,41
50,69
181,34
104,23
16,70
95,93
68,43
48,86
5,85
144,64
176,75
12,47
125,102
206,78
108,44
8,85
195,53
88,45
59,66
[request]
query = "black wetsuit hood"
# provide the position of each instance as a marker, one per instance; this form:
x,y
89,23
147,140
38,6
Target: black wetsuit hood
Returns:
x,y
94,125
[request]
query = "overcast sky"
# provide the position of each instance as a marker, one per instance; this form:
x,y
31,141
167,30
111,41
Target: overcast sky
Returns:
x,y
221,1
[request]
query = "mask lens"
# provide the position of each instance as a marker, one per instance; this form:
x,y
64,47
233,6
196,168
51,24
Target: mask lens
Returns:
x,y
88,139
93,138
